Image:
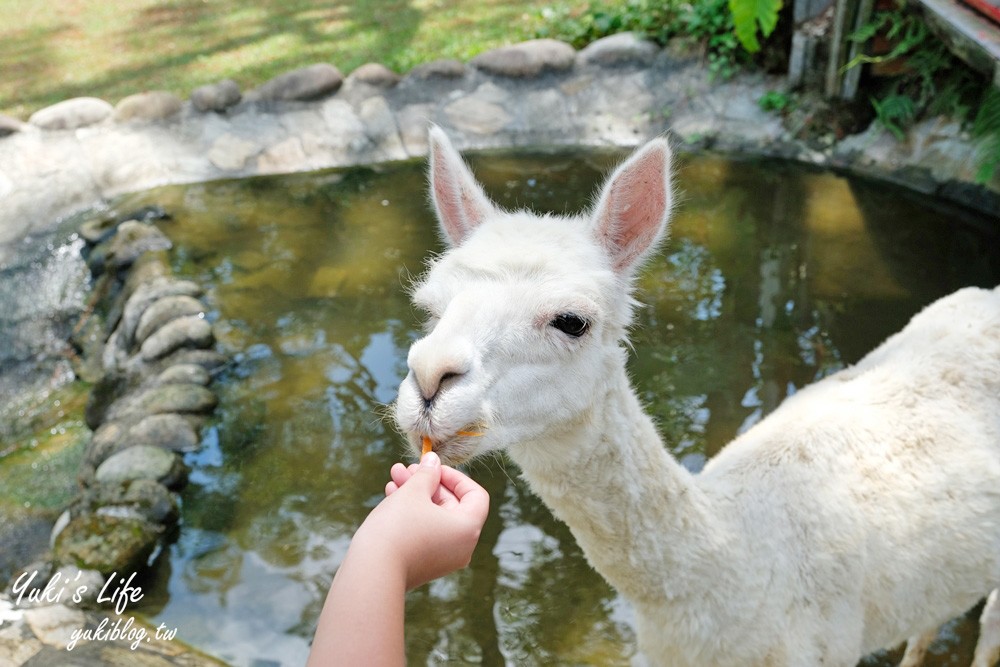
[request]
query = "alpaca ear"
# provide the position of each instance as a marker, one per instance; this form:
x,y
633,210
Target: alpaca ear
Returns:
x,y
458,198
634,207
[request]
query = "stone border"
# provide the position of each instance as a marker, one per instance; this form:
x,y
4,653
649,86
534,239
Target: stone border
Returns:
x,y
146,339
617,91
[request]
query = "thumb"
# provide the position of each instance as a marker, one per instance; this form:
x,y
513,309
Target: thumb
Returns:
x,y
427,476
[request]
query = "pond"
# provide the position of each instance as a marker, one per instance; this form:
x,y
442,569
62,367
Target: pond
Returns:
x,y
773,277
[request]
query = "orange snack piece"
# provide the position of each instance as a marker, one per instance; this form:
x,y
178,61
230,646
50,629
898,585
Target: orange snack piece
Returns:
x,y
428,446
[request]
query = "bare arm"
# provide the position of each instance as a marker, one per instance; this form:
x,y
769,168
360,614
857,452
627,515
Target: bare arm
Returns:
x,y
427,526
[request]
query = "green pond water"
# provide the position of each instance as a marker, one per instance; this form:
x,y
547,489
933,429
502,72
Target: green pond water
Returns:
x,y
773,277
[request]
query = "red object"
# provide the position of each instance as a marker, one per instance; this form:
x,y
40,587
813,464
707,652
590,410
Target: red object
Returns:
x,y
991,8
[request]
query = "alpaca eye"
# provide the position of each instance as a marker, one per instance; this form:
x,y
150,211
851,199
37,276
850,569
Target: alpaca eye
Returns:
x,y
570,324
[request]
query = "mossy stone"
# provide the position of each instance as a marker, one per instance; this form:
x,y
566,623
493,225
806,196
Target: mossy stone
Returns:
x,y
106,543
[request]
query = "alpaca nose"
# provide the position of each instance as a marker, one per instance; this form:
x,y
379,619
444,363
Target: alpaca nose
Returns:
x,y
433,364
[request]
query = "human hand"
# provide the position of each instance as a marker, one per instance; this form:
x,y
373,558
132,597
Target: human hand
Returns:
x,y
430,520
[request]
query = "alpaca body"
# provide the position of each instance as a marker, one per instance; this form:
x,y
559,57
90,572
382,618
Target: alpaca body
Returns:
x,y
816,553
864,510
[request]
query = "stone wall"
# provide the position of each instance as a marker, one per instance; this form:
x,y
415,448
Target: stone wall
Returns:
x,y
617,91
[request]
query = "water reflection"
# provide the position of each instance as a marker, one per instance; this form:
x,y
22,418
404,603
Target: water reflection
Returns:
x,y
772,279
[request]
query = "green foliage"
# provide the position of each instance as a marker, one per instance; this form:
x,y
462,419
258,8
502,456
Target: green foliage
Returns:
x,y
932,82
751,15
895,113
709,22
986,127
651,18
775,100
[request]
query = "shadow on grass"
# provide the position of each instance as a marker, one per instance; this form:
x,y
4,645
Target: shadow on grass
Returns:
x,y
176,45
26,59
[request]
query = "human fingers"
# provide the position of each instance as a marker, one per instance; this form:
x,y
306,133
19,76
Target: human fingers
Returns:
x,y
426,478
399,474
472,497
444,497
390,488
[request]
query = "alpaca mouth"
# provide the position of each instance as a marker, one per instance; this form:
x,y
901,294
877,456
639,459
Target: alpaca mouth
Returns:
x,y
454,449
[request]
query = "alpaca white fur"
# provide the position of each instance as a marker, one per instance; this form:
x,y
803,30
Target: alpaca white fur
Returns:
x,y
863,511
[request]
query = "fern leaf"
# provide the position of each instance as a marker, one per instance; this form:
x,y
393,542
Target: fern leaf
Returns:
x,y
988,118
987,126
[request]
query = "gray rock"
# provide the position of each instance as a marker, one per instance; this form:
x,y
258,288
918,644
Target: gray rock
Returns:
x,y
82,586
167,431
184,374
146,294
108,439
43,570
144,498
482,112
130,241
147,106
153,499
165,310
54,625
216,96
439,69
477,116
188,331
9,125
71,114
625,47
527,59
106,543
307,83
99,229
376,75
18,650
142,462
231,153
180,398
210,360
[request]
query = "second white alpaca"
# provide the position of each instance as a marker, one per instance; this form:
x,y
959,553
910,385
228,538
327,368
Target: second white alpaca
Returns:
x,y
863,511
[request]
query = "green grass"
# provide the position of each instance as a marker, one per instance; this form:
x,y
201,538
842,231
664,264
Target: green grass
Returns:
x,y
54,50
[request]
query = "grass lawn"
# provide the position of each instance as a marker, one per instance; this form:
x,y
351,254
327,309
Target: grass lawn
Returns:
x,y
51,50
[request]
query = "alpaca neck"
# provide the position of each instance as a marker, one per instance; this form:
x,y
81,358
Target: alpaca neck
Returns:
x,y
638,514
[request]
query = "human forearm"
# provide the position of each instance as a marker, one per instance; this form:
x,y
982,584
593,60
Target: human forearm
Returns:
x,y
362,619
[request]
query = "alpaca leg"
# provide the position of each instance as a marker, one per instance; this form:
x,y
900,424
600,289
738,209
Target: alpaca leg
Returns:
x,y
916,648
988,648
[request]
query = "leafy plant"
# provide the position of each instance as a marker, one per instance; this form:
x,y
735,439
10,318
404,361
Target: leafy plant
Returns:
x,y
986,126
932,82
579,27
751,15
775,100
709,22
895,113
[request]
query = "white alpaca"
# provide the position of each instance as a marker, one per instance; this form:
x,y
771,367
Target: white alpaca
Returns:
x,y
864,510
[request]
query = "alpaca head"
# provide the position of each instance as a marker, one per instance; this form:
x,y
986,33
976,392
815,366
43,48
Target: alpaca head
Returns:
x,y
525,313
